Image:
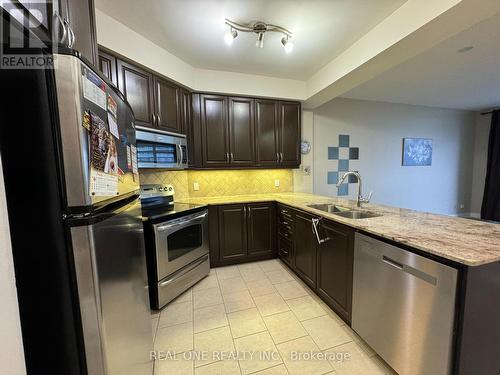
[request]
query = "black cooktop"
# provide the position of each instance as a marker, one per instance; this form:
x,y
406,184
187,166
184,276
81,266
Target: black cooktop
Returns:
x,y
165,212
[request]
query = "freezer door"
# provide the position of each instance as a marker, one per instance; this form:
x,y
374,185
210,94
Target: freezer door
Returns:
x,y
97,132
113,293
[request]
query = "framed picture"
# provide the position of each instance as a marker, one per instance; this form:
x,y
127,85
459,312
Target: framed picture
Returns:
x,y
417,152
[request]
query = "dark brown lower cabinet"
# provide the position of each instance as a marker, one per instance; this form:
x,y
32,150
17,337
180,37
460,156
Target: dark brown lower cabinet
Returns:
x,y
285,250
242,233
304,248
232,232
334,267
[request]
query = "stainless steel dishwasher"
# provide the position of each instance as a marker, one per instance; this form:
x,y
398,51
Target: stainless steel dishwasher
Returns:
x,y
404,307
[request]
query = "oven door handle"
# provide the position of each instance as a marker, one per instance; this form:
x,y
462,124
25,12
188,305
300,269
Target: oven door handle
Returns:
x,y
185,222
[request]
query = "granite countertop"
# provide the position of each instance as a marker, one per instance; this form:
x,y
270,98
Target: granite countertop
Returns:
x,y
469,242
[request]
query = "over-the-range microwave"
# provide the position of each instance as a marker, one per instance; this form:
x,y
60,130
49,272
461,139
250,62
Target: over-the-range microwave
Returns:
x,y
159,149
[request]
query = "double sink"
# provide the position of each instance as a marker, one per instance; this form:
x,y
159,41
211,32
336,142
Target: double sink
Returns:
x,y
344,211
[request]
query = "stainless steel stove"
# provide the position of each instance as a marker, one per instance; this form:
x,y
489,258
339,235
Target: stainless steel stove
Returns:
x,y
176,243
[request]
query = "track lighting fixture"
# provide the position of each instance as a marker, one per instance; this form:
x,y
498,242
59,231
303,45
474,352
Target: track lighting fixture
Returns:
x,y
259,28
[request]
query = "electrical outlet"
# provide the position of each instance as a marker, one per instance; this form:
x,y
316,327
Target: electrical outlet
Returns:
x,y
196,186
277,183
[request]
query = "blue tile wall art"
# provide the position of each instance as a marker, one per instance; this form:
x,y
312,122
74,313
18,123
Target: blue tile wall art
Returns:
x,y
344,153
417,152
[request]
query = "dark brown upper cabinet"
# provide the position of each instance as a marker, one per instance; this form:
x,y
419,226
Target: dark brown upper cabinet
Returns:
x,y
214,130
107,65
289,134
267,132
81,19
137,86
74,19
277,133
241,131
167,105
186,111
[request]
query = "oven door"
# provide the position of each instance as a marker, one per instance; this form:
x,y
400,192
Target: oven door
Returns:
x,y
180,241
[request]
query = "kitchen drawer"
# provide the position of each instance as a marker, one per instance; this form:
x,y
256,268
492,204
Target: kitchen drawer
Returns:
x,y
285,234
285,249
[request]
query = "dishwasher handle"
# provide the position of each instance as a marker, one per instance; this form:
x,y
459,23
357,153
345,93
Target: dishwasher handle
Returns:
x,y
315,223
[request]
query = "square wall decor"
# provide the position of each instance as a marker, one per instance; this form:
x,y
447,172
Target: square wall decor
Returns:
x,y
417,152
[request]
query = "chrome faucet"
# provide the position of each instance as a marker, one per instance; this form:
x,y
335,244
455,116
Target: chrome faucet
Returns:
x,y
359,199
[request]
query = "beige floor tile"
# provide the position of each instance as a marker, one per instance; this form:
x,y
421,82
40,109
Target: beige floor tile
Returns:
x,y
260,287
290,289
361,343
271,304
303,365
209,318
326,332
252,274
187,296
305,308
284,327
179,365
219,368
357,362
178,338
279,276
238,301
208,282
232,285
270,265
264,352
228,272
276,370
245,322
176,314
154,325
206,297
212,344
249,266
332,313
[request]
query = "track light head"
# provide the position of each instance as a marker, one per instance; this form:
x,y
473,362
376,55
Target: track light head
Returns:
x,y
260,40
287,44
230,36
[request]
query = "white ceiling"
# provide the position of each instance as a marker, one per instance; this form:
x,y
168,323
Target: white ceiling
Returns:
x,y
443,77
193,30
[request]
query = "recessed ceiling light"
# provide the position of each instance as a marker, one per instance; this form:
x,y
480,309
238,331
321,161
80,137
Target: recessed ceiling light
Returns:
x,y
465,49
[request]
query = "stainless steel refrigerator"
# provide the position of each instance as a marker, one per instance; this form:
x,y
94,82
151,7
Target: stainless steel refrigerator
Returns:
x,y
67,139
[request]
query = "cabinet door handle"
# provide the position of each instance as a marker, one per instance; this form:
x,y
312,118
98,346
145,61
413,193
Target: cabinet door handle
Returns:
x,y
277,157
227,157
158,119
231,157
58,17
249,211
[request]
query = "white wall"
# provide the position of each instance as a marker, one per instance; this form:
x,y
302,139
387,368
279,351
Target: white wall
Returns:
x,y
123,40
11,346
378,129
479,162
302,181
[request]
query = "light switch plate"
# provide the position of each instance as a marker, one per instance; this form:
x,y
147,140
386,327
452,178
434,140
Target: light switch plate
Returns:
x,y
196,186
277,183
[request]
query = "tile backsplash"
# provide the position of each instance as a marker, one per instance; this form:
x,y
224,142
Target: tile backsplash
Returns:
x,y
221,182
